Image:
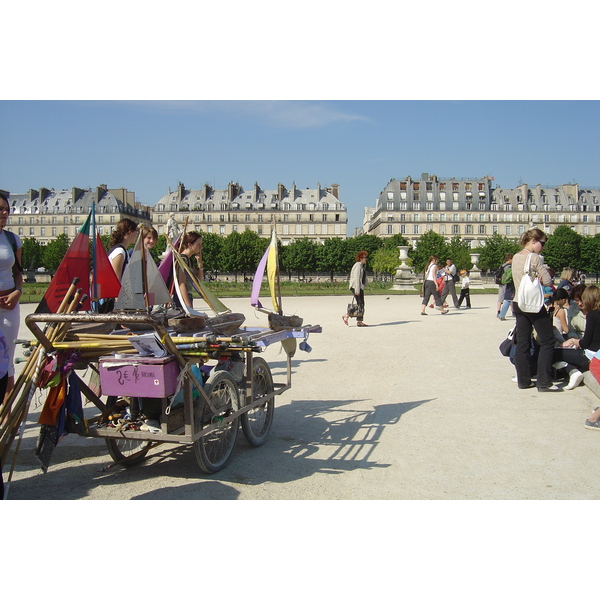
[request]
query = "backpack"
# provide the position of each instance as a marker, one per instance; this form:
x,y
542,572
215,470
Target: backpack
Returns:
x,y
498,275
507,277
12,240
456,277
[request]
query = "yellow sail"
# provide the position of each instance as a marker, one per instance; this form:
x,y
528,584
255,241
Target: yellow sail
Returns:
x,y
273,272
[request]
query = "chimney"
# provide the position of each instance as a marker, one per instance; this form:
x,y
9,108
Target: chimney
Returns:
x,y
206,191
180,191
33,194
44,192
100,191
76,192
335,190
280,191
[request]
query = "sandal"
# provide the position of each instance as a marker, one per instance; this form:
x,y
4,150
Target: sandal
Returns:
x,y
361,324
425,314
345,319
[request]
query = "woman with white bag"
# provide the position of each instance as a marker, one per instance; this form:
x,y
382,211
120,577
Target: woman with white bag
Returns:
x,y
530,312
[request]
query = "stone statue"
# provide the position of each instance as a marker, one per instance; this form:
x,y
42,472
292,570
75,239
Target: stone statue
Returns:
x,y
173,229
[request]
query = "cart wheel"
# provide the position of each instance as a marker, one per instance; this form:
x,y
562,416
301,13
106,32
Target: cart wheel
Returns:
x,y
214,450
256,423
127,452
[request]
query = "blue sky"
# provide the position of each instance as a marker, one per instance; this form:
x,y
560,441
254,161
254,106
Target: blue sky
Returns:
x,y
149,146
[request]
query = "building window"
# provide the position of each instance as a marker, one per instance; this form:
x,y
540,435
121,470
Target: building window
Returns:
x,y
416,229
43,231
389,230
508,230
390,206
31,230
469,229
222,229
482,230
416,206
429,206
455,229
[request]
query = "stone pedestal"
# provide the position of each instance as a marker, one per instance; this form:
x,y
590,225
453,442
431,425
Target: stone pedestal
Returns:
x,y
405,278
475,273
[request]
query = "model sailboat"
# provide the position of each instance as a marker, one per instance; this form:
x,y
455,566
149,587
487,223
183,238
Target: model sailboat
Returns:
x,y
224,321
270,263
141,285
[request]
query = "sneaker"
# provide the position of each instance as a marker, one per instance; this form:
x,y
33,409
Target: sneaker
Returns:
x,y
515,379
151,425
592,425
561,364
552,388
526,387
575,378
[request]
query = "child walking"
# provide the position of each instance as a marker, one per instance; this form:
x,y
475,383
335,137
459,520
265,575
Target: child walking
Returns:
x,y
464,290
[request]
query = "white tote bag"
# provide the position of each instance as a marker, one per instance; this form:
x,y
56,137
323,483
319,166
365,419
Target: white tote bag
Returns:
x,y
530,296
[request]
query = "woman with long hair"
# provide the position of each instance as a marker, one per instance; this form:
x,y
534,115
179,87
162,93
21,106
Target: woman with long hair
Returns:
x,y
122,236
11,288
430,287
532,243
191,245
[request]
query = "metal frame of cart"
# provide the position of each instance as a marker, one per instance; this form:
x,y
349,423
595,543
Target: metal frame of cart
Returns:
x,y
210,421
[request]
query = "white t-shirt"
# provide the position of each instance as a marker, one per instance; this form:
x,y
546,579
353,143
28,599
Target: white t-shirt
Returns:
x,y
7,260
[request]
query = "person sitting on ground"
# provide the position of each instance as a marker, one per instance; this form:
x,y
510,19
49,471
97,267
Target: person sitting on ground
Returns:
x,y
558,312
576,312
566,279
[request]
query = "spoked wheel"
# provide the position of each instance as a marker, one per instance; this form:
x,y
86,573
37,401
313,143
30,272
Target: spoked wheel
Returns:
x,y
214,450
127,452
256,423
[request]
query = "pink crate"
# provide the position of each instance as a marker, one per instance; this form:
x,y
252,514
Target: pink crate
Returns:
x,y
142,376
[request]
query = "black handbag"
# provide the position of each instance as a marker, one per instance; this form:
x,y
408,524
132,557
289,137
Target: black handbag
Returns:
x,y
507,344
353,309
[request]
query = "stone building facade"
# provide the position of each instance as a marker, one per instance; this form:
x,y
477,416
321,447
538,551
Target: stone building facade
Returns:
x,y
315,213
474,210
43,214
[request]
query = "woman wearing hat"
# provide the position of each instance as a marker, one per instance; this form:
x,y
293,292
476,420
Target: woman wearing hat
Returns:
x,y
464,290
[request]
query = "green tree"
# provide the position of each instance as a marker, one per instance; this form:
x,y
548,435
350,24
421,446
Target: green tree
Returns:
x,y
590,254
31,254
212,252
396,240
54,252
300,256
232,253
386,260
562,250
331,256
492,254
459,251
369,243
429,244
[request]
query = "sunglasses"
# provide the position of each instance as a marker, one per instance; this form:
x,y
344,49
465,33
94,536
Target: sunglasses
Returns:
x,y
542,243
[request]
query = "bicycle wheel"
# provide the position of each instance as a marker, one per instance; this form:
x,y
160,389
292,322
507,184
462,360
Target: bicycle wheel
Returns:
x,y
213,450
127,452
256,423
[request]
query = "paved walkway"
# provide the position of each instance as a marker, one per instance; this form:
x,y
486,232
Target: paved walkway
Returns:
x,y
412,407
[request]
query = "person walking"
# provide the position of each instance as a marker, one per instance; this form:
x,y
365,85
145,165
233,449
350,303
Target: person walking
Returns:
x,y
11,286
464,289
430,286
532,243
191,246
449,283
502,286
358,281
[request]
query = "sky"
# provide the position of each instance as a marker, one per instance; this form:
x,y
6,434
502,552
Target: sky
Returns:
x,y
150,146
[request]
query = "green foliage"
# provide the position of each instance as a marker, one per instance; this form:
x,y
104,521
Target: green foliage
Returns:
x,y
429,244
369,243
54,252
459,251
562,250
31,254
590,253
495,249
396,240
212,252
386,260
331,256
300,256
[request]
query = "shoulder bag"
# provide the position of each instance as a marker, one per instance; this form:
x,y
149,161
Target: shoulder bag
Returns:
x,y
530,295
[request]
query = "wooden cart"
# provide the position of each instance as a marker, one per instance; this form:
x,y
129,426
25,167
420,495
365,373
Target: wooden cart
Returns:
x,y
211,411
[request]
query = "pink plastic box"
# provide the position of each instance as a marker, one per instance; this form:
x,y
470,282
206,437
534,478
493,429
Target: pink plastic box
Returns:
x,y
143,376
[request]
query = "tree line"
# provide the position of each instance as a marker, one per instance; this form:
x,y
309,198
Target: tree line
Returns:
x,y
239,253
